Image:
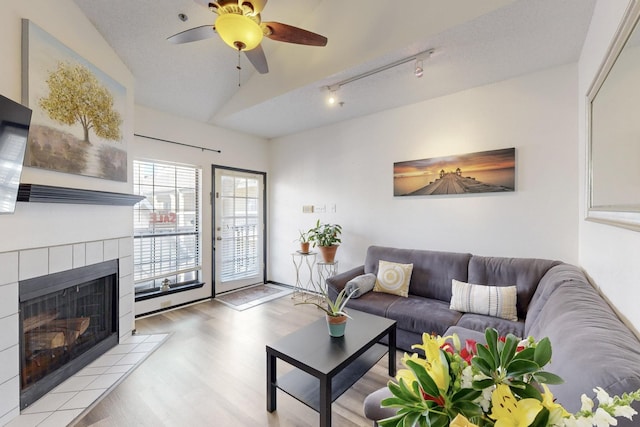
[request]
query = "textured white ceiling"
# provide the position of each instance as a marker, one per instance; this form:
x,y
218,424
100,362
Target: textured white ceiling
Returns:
x,y
476,42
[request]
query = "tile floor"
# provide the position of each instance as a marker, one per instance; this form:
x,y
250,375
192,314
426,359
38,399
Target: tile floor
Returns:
x,y
70,399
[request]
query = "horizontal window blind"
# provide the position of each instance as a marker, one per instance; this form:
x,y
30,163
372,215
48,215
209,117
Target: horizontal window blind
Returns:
x,y
167,230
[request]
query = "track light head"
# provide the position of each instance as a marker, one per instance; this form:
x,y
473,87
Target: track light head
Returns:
x,y
419,71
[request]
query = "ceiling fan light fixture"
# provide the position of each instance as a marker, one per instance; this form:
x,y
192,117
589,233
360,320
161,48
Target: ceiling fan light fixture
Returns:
x,y
239,31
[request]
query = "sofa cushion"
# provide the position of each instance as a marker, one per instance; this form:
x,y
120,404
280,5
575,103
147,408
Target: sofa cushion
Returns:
x,y
465,334
556,276
372,408
420,315
480,322
432,270
393,278
591,346
373,302
497,301
524,273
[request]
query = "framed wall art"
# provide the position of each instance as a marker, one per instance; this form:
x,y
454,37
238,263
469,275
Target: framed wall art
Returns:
x,y
613,130
482,172
78,110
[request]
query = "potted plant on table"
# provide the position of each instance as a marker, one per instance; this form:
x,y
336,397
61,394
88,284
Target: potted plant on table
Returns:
x,y
327,238
304,241
334,309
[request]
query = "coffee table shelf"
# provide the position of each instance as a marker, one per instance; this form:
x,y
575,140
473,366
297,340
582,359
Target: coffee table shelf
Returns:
x,y
306,388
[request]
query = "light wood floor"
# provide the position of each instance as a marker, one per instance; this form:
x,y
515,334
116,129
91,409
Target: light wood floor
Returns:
x,y
211,372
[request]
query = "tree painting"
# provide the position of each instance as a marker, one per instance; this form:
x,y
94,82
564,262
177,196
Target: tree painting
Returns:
x,y
76,96
79,121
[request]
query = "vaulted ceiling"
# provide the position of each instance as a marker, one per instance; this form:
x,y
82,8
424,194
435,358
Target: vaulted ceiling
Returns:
x,y
476,42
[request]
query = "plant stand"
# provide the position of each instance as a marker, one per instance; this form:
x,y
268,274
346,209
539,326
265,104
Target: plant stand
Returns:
x,y
303,288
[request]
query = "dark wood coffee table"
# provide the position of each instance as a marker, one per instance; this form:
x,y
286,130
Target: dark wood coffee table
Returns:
x,y
326,366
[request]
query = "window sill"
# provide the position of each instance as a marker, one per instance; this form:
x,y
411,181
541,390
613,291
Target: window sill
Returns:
x,y
174,290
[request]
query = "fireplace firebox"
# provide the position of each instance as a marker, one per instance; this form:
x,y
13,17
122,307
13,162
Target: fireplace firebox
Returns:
x,y
67,320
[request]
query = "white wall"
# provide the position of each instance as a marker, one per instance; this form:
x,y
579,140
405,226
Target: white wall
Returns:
x,y
35,225
237,150
52,228
351,164
608,254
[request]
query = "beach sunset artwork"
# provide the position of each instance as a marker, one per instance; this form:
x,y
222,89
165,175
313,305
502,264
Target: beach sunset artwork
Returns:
x,y
482,172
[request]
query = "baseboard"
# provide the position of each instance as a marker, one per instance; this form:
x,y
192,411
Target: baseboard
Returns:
x,y
173,307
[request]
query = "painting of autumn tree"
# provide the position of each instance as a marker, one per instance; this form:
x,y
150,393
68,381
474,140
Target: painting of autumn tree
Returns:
x,y
77,124
76,96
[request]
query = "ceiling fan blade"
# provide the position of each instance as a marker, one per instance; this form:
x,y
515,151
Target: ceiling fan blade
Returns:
x,y
258,59
192,35
287,33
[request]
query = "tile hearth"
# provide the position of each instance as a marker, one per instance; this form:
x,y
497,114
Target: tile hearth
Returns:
x,y
72,398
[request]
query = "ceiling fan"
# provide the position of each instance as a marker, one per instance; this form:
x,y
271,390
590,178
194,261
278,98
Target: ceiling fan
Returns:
x,y
240,26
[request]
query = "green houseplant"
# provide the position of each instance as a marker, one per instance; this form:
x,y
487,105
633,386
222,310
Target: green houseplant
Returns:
x,y
327,238
334,309
304,241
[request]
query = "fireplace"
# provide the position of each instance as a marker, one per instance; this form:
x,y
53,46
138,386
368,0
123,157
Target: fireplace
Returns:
x,y
67,320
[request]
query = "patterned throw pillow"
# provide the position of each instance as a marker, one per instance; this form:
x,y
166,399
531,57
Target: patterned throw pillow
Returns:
x,y
393,278
497,301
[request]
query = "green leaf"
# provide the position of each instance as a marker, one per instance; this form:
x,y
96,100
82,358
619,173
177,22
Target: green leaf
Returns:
x,y
411,419
527,353
395,421
402,391
468,409
438,420
525,390
482,384
465,394
542,419
509,349
542,354
518,368
545,377
425,380
487,356
482,365
491,335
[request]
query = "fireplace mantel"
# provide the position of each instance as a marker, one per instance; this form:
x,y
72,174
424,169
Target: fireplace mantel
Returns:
x,y
49,194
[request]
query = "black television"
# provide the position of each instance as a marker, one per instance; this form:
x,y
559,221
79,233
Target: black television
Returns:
x,y
15,120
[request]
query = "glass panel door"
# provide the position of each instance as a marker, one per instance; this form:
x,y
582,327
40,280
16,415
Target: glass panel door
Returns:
x,y
238,229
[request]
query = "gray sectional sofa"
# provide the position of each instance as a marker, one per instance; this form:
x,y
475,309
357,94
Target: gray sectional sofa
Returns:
x,y
591,345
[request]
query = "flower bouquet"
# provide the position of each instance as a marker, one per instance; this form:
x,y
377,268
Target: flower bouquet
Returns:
x,y
501,384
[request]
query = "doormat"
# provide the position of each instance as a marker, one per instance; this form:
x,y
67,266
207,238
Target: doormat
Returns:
x,y
250,297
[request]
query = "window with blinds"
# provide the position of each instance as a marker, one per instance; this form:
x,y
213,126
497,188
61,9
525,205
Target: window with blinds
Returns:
x,y
166,226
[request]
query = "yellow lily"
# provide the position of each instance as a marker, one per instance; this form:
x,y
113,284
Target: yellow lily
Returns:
x,y
461,421
556,411
509,412
433,340
433,365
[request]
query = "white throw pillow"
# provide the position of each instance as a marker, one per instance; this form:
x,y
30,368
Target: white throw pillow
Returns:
x,y
497,301
393,278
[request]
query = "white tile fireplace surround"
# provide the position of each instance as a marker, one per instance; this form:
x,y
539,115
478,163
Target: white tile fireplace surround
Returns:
x,y
30,263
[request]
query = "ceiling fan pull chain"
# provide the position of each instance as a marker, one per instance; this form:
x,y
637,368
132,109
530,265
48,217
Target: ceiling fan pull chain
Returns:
x,y
239,68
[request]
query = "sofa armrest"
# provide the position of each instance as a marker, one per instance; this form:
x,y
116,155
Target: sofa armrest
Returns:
x,y
336,283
